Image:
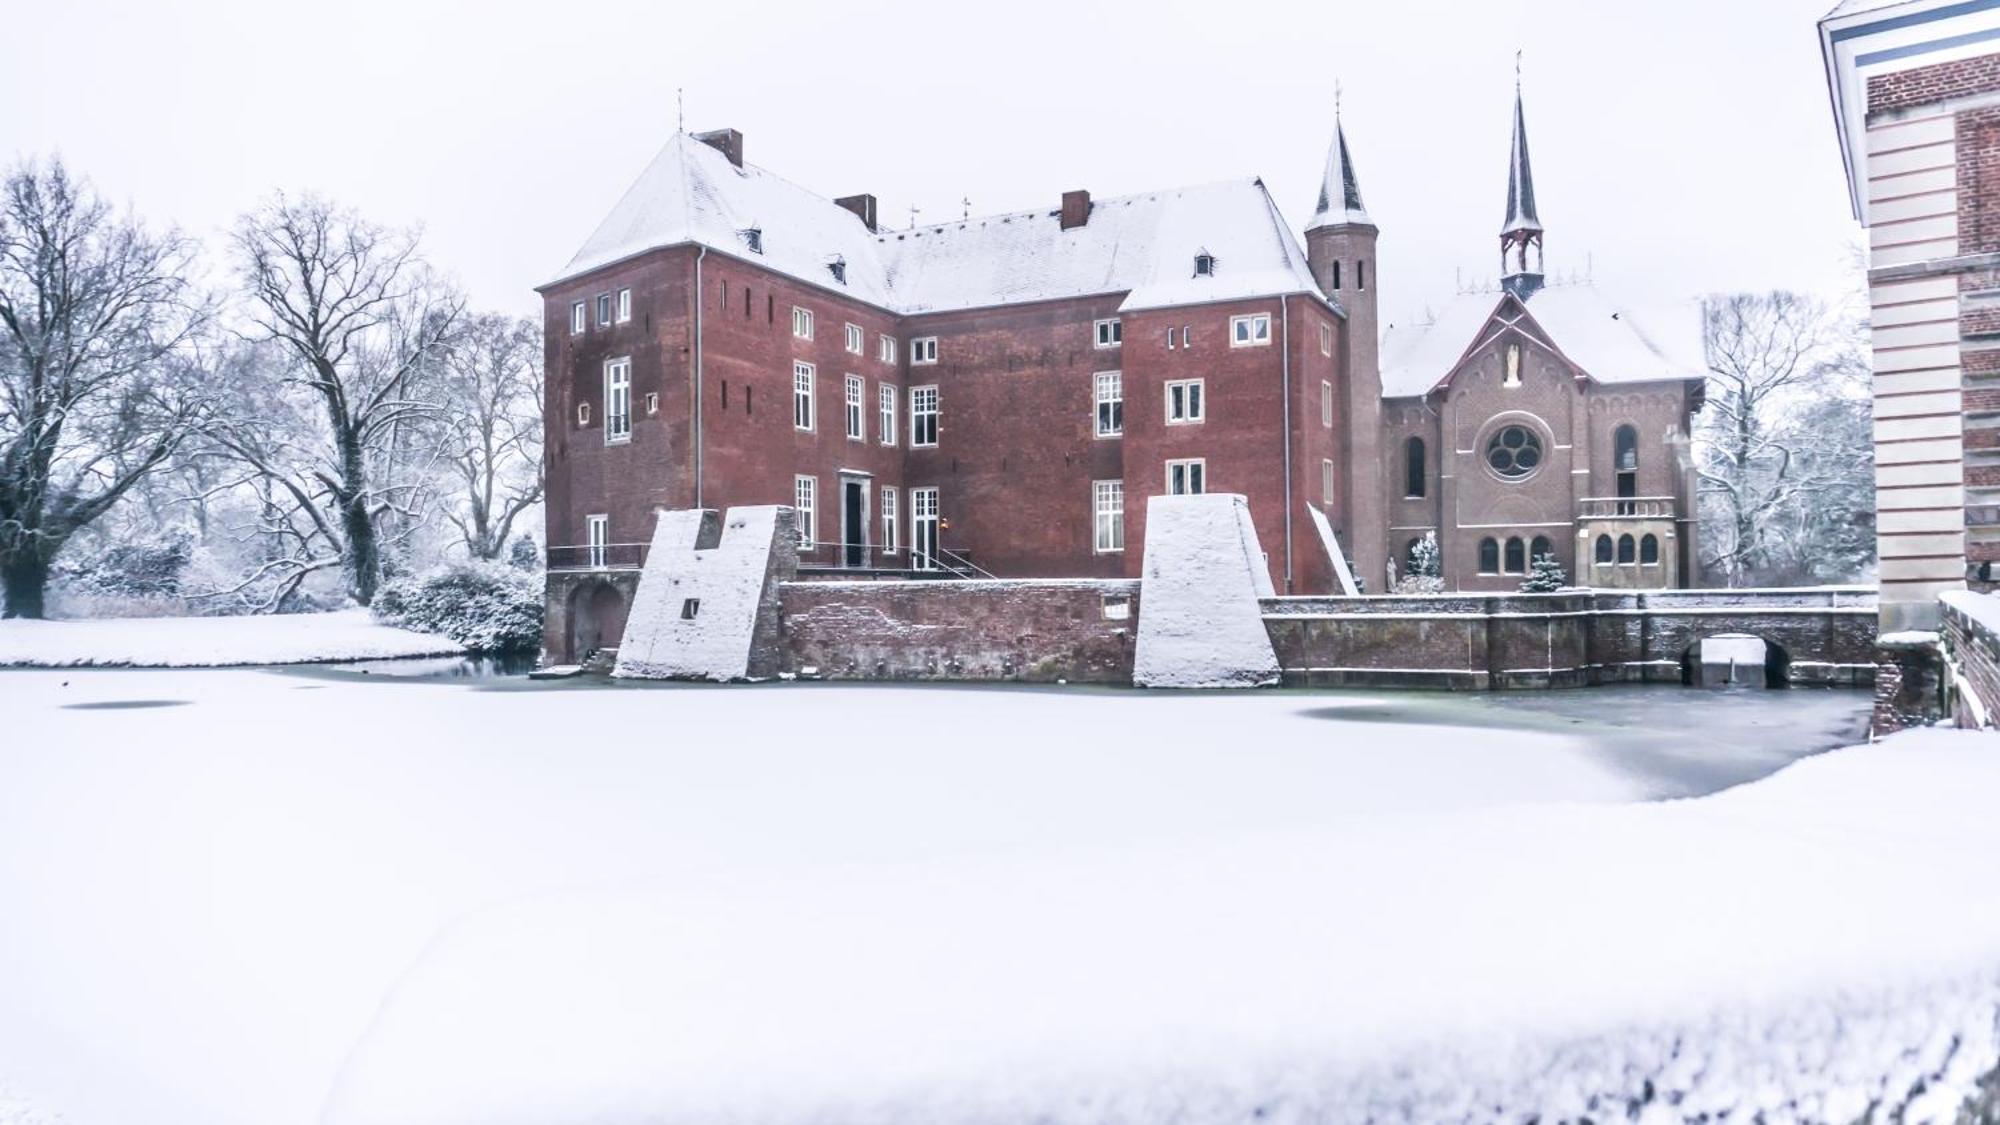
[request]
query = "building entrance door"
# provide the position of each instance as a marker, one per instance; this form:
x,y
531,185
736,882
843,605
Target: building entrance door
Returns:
x,y
923,528
854,522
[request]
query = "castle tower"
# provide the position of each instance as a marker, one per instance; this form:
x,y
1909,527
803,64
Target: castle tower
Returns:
x,y
1522,229
1340,251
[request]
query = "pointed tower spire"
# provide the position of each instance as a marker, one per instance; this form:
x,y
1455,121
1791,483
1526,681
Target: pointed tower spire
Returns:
x,y
1339,191
1523,227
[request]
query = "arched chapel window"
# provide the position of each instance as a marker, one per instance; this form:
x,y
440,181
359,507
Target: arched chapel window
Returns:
x,y
1628,550
1514,452
1413,467
1540,547
1489,555
1603,552
1649,550
1516,562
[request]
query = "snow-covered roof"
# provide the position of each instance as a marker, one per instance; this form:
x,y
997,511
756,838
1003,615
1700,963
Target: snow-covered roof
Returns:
x,y
1605,340
1143,244
1339,189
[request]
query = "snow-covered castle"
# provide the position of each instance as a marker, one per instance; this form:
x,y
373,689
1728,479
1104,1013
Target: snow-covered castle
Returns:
x,y
1001,395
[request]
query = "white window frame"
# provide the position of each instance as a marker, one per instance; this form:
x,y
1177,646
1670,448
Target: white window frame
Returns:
x,y
802,323
886,349
618,400
1326,339
1326,403
857,340
604,310
579,317
1192,471
890,539
803,377
923,404
1252,330
923,351
857,422
885,408
805,501
624,313
1193,410
1107,516
1326,482
1108,333
924,509
597,534
1113,425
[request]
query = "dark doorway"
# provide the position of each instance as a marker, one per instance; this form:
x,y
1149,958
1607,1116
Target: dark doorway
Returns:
x,y
854,521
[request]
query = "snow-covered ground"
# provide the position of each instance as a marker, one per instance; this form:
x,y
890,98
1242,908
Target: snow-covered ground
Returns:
x,y
243,896
205,642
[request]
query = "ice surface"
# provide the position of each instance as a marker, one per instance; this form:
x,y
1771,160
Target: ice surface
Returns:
x,y
195,642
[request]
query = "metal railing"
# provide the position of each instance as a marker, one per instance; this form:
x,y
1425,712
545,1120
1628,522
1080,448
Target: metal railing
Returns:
x,y
823,556
1626,507
597,556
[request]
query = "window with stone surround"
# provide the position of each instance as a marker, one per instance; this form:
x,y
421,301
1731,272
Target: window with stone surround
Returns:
x,y
1186,402
1109,333
802,323
1187,477
885,404
805,494
1108,514
857,340
924,350
857,424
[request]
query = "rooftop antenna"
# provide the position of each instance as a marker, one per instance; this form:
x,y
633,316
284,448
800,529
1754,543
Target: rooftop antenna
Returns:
x,y
680,110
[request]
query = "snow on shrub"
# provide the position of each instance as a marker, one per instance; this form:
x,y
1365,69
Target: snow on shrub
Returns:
x,y
484,607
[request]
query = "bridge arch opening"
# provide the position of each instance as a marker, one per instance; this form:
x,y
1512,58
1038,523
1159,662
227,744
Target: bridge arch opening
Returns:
x,y
596,619
1736,660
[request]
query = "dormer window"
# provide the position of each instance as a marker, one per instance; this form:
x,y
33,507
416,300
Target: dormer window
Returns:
x,y
838,268
753,237
1204,264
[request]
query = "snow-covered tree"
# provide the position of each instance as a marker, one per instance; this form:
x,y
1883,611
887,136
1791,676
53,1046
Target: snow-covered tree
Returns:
x,y
1426,573
1545,576
99,383
361,324
490,415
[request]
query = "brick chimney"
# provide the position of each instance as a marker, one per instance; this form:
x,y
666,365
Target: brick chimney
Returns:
x,y
1075,209
863,207
728,142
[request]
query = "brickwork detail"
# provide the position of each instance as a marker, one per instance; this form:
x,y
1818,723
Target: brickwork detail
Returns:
x,y
1927,85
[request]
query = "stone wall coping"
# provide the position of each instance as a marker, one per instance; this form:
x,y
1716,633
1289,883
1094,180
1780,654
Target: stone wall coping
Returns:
x,y
963,585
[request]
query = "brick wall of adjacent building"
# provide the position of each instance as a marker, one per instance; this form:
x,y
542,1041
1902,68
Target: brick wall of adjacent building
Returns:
x,y
1928,85
1973,650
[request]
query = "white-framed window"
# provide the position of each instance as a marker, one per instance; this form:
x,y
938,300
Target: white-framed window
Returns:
x,y
597,532
923,349
857,340
805,494
802,323
583,414
885,408
624,305
577,318
889,540
1188,477
1326,482
1187,402
1326,403
1110,333
802,396
604,310
1326,339
885,349
652,402
617,401
1250,331
1107,504
923,528
1110,404
857,425
923,417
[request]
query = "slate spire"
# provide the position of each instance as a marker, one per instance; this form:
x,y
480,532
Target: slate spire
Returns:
x,y
1522,229
1339,190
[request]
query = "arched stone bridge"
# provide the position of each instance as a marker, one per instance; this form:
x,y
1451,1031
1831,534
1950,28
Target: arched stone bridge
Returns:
x,y
1815,635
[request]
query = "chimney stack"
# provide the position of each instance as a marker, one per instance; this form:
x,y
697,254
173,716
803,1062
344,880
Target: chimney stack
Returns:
x,y
728,142
863,207
1075,209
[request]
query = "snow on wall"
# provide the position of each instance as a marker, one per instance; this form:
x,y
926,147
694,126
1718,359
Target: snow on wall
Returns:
x,y
707,608
1332,544
1200,583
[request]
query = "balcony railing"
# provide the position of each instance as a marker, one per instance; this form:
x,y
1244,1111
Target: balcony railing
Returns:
x,y
598,556
1626,508
819,556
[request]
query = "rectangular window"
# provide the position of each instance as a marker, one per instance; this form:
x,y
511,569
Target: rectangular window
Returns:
x,y
889,541
617,401
857,340
923,417
1326,483
1110,397
624,305
577,318
1250,331
1108,509
802,396
1185,405
805,490
1110,333
886,349
923,349
1187,478
604,310
1326,403
802,323
885,408
597,532
857,426
923,528
1326,339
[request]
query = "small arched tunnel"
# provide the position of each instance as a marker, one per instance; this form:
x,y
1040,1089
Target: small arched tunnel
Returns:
x,y
1736,660
596,619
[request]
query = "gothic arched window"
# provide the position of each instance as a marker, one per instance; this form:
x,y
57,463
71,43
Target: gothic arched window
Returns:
x,y
1603,552
1414,470
1541,546
1628,549
1649,551
1517,561
1489,555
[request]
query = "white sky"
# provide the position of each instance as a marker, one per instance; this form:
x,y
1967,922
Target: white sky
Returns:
x,y
1683,148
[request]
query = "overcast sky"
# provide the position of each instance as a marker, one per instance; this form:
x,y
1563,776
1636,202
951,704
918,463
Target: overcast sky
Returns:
x,y
1678,148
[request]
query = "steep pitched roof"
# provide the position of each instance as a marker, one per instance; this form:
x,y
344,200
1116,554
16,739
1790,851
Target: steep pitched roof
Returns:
x,y
1520,179
1605,341
1144,244
1339,190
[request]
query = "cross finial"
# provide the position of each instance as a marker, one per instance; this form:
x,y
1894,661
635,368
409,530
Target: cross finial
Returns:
x,y
967,204
680,110
1336,99
1517,70
914,212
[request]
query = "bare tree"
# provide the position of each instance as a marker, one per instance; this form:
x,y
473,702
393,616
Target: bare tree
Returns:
x,y
1782,449
363,323
98,385
491,414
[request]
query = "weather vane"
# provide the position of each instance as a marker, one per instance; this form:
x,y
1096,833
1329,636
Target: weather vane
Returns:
x,y
680,110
